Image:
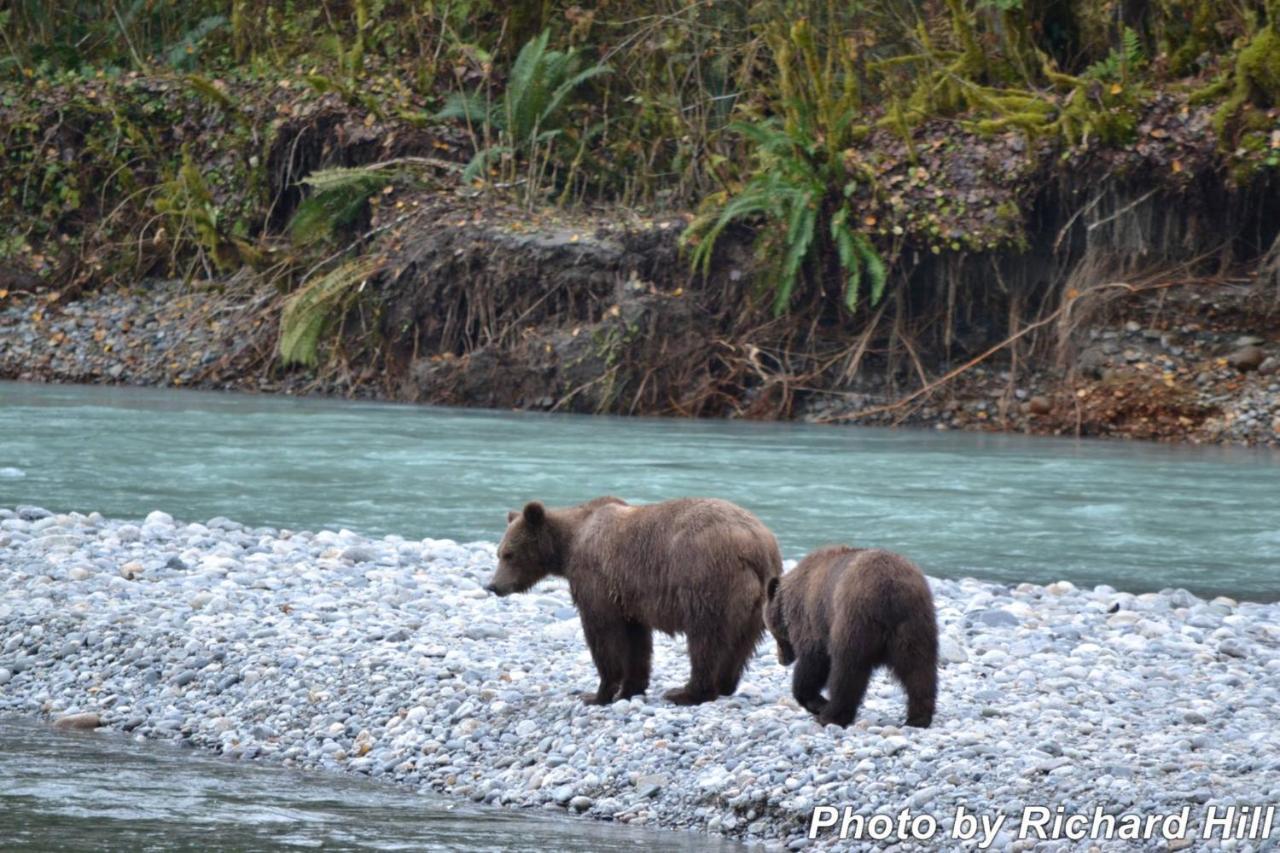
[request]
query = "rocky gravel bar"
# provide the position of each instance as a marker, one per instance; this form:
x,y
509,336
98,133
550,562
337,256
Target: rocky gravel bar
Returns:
x,y
386,657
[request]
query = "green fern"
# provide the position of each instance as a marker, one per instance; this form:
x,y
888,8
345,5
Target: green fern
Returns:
x,y
790,189
184,54
310,309
531,109
338,197
1121,62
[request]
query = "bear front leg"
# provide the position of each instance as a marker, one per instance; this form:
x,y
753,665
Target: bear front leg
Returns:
x,y
810,675
609,650
635,680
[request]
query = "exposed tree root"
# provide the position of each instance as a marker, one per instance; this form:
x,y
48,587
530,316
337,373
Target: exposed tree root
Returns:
x,y
1063,312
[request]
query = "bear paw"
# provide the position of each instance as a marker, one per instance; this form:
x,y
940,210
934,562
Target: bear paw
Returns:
x,y
826,719
685,696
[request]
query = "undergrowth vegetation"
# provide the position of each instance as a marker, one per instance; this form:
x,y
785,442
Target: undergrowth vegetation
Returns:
x,y
166,137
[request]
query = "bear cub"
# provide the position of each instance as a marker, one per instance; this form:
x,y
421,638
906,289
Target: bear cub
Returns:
x,y
693,566
843,612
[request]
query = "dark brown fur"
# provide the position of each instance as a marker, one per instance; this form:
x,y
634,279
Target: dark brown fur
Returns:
x,y
694,566
843,612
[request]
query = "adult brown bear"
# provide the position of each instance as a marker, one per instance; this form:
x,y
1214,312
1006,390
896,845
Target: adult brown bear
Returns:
x,y
843,612
693,566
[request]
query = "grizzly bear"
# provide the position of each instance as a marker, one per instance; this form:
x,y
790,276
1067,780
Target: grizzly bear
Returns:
x,y
693,566
843,612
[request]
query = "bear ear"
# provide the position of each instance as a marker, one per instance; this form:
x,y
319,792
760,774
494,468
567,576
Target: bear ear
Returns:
x,y
534,513
772,588
512,515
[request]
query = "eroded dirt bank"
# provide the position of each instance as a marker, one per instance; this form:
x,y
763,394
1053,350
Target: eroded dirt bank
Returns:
x,y
490,306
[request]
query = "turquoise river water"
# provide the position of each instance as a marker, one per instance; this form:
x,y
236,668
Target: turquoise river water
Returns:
x,y
1008,508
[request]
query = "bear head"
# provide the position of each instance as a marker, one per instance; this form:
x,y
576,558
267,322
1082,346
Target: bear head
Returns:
x,y
527,553
775,619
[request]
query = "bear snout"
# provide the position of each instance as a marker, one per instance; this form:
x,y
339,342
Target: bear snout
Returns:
x,y
494,588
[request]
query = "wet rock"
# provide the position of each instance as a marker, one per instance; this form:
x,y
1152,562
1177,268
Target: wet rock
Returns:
x,y
1247,358
184,678
360,554
1232,649
949,651
650,784
996,618
895,744
1039,405
1091,362
78,722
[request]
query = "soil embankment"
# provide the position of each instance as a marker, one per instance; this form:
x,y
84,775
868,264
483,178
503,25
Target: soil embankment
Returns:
x,y
492,307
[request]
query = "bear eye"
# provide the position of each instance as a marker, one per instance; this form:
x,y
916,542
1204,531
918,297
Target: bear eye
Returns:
x,y
506,555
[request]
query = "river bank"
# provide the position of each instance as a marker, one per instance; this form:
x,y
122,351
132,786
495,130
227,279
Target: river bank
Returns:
x,y
108,790
1196,364
385,657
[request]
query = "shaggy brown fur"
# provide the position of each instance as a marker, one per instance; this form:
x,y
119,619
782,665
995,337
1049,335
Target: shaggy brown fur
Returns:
x,y
841,613
694,566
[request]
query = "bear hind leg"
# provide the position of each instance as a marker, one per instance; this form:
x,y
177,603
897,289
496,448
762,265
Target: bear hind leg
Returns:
x,y
704,656
736,654
921,684
913,657
846,687
808,679
635,680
